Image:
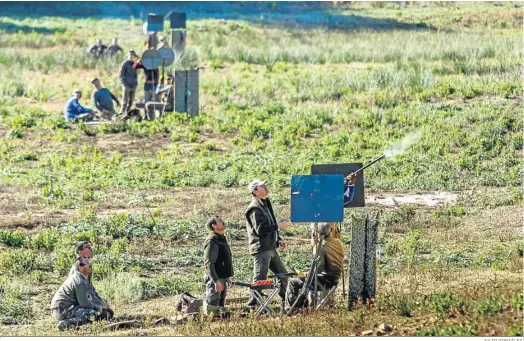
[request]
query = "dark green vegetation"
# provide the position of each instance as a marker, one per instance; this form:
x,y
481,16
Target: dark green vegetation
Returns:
x,y
276,98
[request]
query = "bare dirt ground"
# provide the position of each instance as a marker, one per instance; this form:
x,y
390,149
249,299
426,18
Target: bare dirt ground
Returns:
x,y
21,208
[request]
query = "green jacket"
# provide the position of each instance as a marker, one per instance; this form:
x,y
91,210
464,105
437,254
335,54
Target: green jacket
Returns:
x,y
96,297
218,260
74,292
262,227
331,265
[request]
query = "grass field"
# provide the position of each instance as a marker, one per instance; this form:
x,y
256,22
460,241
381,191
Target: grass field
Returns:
x,y
280,90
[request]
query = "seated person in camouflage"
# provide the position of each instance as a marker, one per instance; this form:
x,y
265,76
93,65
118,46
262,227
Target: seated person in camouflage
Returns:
x,y
218,263
103,100
75,112
330,267
83,249
72,305
169,100
98,49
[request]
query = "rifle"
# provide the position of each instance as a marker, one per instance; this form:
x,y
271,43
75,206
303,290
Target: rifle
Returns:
x,y
366,166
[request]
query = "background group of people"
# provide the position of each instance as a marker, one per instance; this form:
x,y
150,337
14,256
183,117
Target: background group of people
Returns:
x,y
103,98
99,50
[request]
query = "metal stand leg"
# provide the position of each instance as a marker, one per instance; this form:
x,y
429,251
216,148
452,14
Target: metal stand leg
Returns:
x,y
264,303
325,299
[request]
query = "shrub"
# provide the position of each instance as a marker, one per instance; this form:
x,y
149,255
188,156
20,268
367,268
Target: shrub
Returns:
x,y
446,304
488,307
18,262
403,307
450,330
515,330
13,238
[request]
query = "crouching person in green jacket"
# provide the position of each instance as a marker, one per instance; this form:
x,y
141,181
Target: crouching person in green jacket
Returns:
x,y
218,263
72,304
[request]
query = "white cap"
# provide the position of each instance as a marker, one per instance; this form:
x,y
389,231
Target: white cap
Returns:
x,y
253,185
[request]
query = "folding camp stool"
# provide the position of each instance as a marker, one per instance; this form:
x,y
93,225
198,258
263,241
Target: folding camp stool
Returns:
x,y
323,300
263,301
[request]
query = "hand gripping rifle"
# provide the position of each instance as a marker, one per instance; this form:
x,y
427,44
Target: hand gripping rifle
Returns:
x,y
366,166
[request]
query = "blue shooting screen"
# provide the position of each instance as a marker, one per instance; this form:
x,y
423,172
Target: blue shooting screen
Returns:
x,y
317,198
155,23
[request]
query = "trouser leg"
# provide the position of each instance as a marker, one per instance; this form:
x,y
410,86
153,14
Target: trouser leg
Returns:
x,y
73,316
214,300
293,290
277,267
129,97
260,268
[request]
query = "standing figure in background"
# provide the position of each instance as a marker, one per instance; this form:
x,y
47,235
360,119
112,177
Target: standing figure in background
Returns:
x,y
218,263
151,83
98,49
264,239
152,41
129,80
164,43
114,49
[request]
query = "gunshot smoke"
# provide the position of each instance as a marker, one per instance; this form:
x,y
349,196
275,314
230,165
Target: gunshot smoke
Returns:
x,y
399,147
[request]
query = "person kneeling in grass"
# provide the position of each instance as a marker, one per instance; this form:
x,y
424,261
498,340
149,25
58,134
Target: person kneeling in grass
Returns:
x,y
75,112
71,305
218,262
84,249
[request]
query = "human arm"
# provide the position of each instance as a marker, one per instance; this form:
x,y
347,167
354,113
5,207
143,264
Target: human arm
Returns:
x,y
210,258
163,90
115,99
79,108
349,194
122,74
81,296
138,65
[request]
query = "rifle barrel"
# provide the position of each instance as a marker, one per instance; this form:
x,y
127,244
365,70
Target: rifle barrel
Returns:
x,y
366,166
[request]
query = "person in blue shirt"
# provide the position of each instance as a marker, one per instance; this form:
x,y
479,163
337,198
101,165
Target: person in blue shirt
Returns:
x,y
75,112
349,192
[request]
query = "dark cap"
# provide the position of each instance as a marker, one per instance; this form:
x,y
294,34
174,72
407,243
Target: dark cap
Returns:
x,y
96,80
81,245
132,53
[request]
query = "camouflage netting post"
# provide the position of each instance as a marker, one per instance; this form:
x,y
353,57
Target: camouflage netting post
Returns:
x,y
187,91
178,41
362,261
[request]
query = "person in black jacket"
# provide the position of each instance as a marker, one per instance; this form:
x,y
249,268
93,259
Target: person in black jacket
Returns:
x,y
263,238
218,263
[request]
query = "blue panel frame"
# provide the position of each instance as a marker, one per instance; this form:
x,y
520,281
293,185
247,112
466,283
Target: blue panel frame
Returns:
x,y
317,198
155,23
